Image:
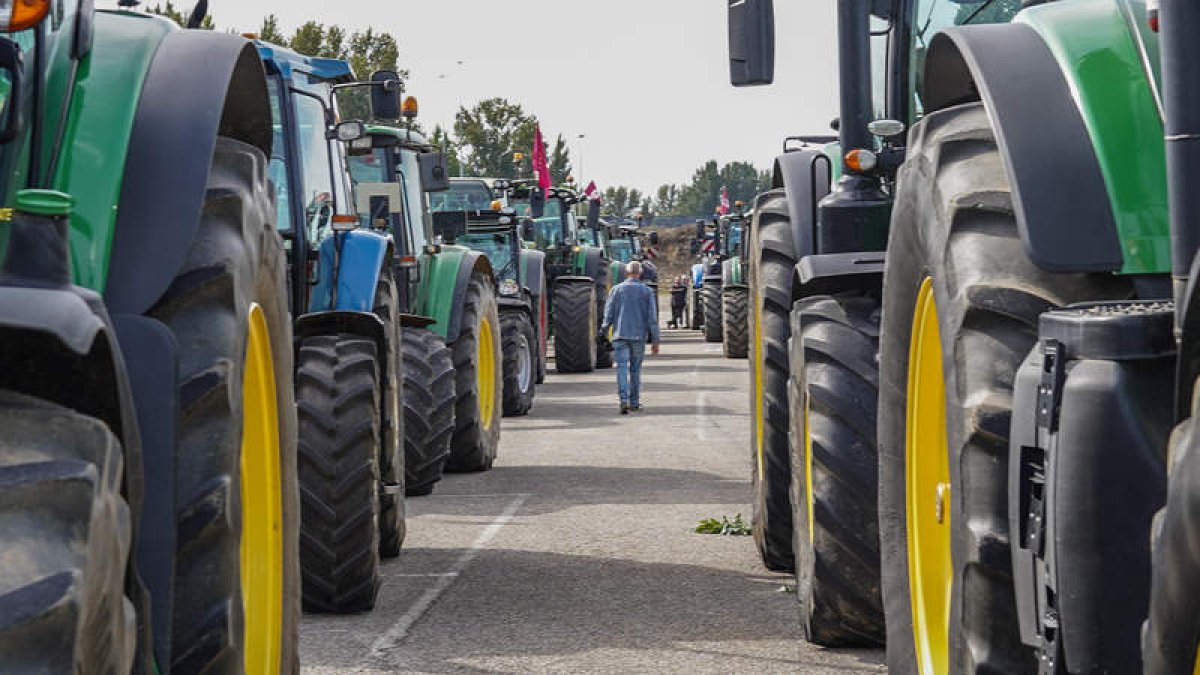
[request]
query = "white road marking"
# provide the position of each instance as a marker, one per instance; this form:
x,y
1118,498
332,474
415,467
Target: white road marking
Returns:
x,y
399,630
712,348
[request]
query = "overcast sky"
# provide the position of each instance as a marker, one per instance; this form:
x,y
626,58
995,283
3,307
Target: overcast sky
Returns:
x,y
646,81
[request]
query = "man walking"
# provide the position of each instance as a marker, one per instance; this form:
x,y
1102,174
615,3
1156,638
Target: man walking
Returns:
x,y
678,301
630,313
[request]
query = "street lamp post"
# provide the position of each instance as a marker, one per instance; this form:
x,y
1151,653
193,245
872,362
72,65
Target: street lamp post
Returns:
x,y
580,138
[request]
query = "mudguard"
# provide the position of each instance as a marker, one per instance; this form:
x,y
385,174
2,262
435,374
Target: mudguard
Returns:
x,y
447,275
805,177
181,111
835,272
594,265
364,324
533,270
353,261
1065,129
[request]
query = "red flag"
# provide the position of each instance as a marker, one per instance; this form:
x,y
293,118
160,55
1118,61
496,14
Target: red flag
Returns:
x,y
541,165
591,192
724,207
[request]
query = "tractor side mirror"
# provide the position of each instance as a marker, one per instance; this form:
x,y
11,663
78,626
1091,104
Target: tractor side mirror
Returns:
x,y
751,42
593,215
11,90
449,225
527,230
699,230
537,203
385,95
654,239
434,175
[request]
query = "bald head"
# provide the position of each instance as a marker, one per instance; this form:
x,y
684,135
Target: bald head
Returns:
x,y
634,270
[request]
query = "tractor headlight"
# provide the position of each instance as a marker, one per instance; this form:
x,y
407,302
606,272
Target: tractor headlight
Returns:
x,y
509,287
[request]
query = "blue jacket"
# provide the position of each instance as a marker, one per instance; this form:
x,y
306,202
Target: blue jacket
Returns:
x,y
630,311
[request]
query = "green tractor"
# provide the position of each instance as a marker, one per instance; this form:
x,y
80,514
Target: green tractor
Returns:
x,y
150,512
576,271
347,341
624,245
448,307
521,285
1034,334
723,292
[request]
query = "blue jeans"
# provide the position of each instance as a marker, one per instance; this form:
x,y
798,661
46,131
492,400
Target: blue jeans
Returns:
x,y
628,355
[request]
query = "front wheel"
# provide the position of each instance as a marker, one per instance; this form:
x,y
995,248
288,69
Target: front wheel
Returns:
x,y
961,302
65,532
575,327
736,327
237,576
519,362
428,408
832,391
338,395
479,382
710,302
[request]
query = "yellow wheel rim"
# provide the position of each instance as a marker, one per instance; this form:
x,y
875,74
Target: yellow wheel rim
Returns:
x,y
927,494
759,404
808,463
485,371
262,512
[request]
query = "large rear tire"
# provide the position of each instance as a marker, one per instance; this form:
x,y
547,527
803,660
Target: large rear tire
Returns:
x,y
960,310
710,301
338,392
65,532
479,380
393,526
520,362
771,304
575,327
1171,636
428,409
237,576
736,327
832,392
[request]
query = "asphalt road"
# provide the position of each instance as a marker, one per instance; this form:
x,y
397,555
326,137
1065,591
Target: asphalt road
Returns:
x,y
576,554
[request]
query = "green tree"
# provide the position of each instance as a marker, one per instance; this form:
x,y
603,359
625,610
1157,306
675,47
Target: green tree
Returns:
x,y
489,133
620,201
366,51
178,16
443,140
666,200
560,161
269,31
702,195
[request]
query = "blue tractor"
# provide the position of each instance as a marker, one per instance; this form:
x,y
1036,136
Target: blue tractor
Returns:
x,y
348,371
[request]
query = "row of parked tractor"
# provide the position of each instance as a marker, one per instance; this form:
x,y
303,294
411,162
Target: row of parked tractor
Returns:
x,y
237,331
716,296
975,336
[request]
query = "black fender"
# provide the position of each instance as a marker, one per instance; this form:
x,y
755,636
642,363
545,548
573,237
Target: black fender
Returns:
x,y
804,175
836,272
535,270
416,321
596,266
367,325
511,304
182,110
472,261
976,63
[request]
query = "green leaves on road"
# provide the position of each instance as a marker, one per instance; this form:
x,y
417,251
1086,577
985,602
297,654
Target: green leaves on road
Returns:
x,y
735,527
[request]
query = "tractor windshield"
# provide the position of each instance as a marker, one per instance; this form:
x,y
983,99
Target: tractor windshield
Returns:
x,y
620,250
733,240
553,209
312,170
463,196
499,249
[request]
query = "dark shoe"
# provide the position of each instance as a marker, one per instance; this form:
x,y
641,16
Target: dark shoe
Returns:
x,y
624,408
636,407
